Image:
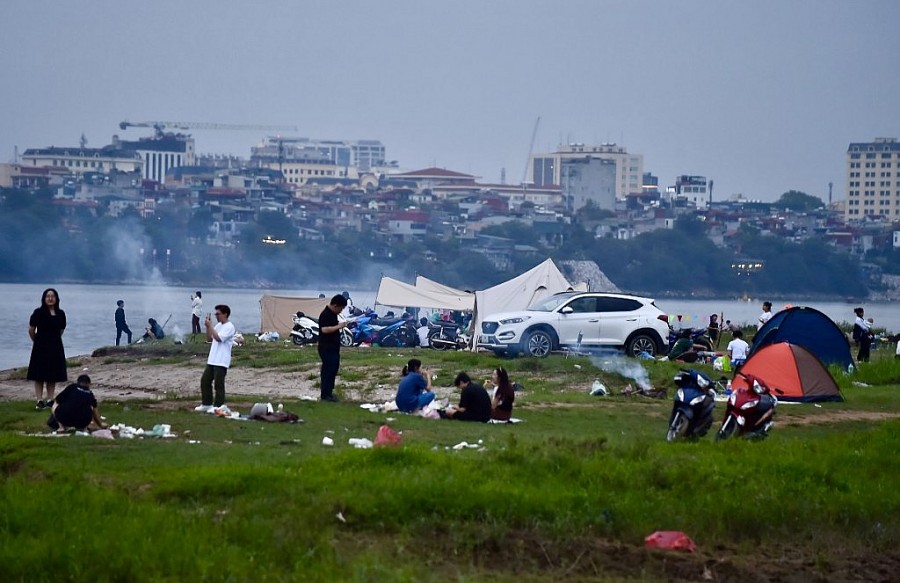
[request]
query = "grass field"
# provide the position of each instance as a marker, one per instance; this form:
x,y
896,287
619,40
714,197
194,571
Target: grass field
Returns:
x,y
568,494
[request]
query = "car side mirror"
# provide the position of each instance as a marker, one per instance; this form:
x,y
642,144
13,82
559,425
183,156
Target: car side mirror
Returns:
x,y
566,310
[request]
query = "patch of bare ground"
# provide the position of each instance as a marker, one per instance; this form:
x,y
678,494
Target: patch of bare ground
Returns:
x,y
116,380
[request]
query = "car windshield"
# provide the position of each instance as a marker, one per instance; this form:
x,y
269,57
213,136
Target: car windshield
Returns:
x,y
551,303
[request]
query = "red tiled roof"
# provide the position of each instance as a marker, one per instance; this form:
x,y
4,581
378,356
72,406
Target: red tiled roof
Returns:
x,y
434,173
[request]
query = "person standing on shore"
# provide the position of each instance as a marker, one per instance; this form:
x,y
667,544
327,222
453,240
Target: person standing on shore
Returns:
x,y
47,365
862,335
121,324
196,312
330,346
765,316
219,359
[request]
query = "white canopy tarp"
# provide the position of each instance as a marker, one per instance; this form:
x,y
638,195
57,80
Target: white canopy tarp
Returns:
x,y
518,293
396,293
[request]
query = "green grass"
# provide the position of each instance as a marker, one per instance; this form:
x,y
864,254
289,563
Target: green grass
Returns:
x,y
568,494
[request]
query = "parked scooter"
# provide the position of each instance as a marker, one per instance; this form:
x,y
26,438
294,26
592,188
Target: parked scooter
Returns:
x,y
446,336
692,411
400,333
750,412
306,331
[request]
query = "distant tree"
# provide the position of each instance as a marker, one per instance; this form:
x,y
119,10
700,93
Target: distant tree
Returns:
x,y
799,201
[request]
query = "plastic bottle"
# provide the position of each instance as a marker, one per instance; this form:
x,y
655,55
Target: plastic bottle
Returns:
x,y
728,389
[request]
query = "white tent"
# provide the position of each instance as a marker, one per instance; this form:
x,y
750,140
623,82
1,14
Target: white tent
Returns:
x,y
396,293
426,284
518,293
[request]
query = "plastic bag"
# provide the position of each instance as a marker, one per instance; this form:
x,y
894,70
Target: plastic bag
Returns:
x,y
387,437
673,540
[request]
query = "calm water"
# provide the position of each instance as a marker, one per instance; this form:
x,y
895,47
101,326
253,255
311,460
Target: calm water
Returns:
x,y
90,308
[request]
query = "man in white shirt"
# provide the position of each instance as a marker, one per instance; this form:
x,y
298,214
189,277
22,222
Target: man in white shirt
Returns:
x,y
422,331
738,349
765,316
219,359
196,312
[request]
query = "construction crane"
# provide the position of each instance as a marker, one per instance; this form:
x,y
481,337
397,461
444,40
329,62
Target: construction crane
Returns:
x,y
160,126
530,149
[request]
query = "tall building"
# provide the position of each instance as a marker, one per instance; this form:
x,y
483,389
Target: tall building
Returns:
x,y
694,189
308,158
546,169
873,179
589,179
160,153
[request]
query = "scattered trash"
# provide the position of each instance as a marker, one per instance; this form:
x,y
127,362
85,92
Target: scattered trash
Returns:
x,y
327,441
387,437
673,540
817,405
464,445
578,366
360,442
270,336
340,516
599,389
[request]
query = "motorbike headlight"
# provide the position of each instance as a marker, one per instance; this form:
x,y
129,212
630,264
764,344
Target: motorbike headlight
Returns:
x,y
749,405
697,400
516,320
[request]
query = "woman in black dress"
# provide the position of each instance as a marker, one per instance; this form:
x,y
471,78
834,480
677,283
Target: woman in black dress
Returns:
x,y
48,358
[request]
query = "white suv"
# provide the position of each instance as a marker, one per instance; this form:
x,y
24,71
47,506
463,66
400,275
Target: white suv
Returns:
x,y
578,319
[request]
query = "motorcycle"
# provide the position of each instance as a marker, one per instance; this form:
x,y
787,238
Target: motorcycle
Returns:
x,y
750,411
306,331
401,333
446,336
692,411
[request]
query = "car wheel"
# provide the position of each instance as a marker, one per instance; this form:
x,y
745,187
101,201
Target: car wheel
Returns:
x,y
640,343
538,343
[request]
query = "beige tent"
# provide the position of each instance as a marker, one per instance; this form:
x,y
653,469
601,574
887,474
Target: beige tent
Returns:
x,y
424,283
276,312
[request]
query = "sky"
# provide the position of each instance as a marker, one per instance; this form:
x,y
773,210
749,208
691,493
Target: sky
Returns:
x,y
761,97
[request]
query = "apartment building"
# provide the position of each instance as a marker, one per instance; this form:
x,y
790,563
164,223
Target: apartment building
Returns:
x,y
873,180
546,169
80,160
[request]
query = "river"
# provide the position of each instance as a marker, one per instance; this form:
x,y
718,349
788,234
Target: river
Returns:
x,y
90,309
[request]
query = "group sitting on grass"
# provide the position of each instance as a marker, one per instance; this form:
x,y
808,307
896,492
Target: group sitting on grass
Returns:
x,y
415,393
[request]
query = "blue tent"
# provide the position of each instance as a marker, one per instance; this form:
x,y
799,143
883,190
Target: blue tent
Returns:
x,y
809,328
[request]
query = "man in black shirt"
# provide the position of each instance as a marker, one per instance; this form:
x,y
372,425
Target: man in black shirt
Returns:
x,y
75,407
474,402
121,324
330,345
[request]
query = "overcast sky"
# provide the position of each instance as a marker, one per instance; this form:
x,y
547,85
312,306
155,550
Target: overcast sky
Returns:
x,y
762,96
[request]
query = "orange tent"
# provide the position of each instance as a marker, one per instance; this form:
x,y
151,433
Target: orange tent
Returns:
x,y
791,372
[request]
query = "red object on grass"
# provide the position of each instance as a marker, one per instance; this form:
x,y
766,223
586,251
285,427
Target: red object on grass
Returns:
x,y
672,540
387,436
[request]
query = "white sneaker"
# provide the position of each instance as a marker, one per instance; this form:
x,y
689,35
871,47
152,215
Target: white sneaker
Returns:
x,y
204,408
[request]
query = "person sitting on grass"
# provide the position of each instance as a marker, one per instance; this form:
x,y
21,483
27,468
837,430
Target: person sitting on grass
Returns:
x,y
684,348
153,331
414,391
504,395
474,402
75,407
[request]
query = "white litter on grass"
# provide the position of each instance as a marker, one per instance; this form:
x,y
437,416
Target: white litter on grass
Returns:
x,y
499,422
386,407
464,445
308,398
340,516
360,442
327,441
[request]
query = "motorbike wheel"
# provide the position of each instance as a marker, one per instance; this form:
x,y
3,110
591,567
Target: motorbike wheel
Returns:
x,y
298,340
390,341
729,426
677,428
346,338
434,342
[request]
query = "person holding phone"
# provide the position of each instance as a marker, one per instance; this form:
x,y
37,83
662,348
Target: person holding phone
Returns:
x,y
220,336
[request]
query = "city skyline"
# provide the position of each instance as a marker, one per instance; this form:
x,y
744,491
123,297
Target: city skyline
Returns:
x,y
760,98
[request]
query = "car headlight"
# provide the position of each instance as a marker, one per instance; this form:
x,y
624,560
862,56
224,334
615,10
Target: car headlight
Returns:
x,y
516,320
